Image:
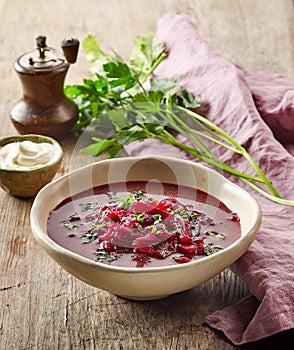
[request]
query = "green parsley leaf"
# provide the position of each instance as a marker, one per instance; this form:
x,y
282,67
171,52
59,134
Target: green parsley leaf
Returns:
x,y
157,97
119,73
99,147
168,85
94,54
118,118
145,52
187,100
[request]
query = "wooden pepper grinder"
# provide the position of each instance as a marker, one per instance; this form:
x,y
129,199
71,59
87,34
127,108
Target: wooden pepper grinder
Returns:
x,y
44,109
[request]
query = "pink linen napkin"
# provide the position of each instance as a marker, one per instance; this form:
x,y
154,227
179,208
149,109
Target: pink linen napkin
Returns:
x,y
252,108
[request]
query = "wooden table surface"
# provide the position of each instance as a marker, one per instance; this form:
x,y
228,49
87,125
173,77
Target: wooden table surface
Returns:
x,y
41,305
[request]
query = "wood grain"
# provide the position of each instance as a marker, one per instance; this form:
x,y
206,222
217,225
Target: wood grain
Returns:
x,y
41,306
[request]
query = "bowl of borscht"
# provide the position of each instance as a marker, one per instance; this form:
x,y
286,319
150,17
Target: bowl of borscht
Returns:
x,y
144,227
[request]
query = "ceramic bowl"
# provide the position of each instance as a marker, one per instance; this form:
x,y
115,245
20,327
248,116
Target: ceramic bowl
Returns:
x,y
28,182
148,282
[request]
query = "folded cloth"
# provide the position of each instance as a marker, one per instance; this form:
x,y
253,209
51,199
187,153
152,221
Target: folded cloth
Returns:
x,y
273,95
246,105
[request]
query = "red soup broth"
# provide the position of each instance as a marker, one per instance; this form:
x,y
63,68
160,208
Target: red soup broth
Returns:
x,y
143,224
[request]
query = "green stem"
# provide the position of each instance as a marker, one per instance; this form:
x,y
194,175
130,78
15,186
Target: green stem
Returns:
x,y
244,177
195,153
268,195
207,155
241,149
195,139
167,114
152,68
198,134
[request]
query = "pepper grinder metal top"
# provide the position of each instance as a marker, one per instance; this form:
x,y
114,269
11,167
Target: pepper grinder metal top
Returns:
x,y
44,109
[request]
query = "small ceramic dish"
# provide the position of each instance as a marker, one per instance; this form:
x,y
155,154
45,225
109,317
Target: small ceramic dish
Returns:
x,y
148,282
23,170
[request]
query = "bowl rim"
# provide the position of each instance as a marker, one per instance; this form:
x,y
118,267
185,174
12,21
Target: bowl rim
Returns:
x,y
43,238
17,138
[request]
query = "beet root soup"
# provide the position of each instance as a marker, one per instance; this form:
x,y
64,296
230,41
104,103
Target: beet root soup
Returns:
x,y
130,224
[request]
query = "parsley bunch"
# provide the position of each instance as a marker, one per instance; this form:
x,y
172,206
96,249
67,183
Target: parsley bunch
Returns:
x,y
118,109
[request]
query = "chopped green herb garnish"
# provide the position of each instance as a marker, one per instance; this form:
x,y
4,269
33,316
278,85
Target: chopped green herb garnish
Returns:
x,y
209,249
184,214
147,229
127,202
103,256
194,224
139,195
138,216
217,249
98,227
88,206
215,234
89,237
69,225
74,217
157,218
113,198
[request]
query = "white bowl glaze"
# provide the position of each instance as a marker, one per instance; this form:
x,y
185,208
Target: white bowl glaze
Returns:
x,y
153,282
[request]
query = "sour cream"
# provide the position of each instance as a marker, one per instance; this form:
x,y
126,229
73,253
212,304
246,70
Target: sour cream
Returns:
x,y
27,155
